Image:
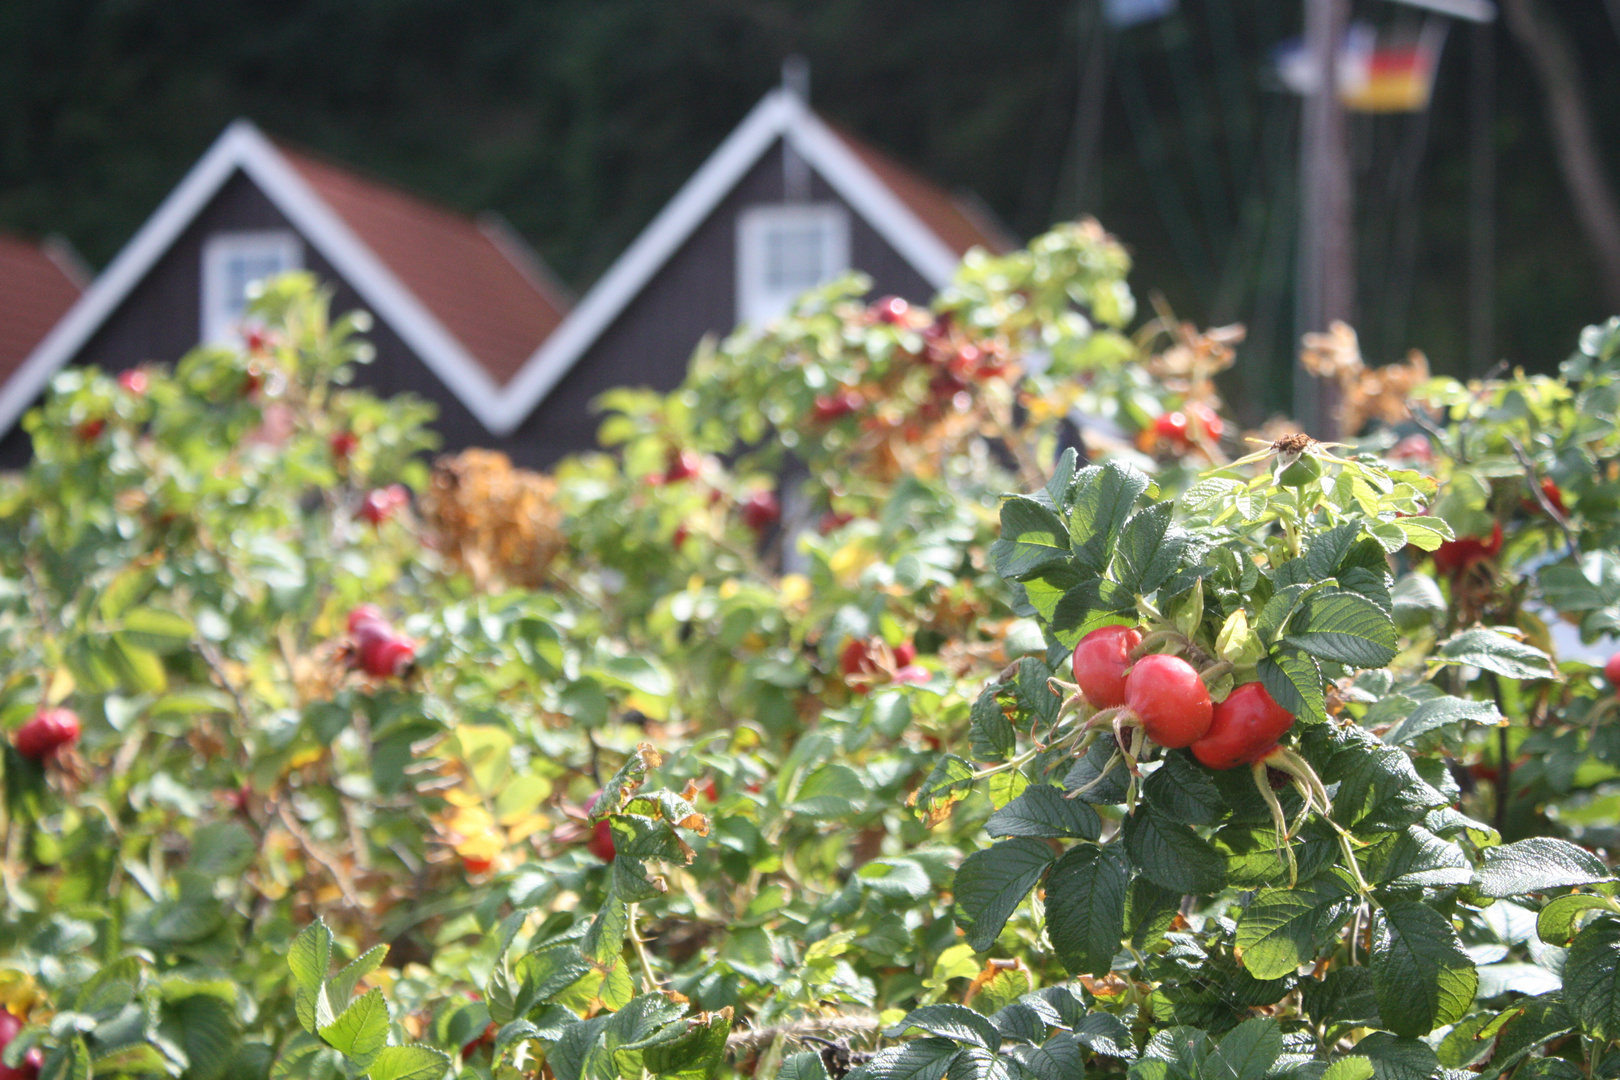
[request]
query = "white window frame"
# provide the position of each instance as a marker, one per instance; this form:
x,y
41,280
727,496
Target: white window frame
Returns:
x,y
219,324
756,303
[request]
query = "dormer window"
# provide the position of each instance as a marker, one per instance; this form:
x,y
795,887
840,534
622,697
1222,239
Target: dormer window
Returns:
x,y
783,251
231,264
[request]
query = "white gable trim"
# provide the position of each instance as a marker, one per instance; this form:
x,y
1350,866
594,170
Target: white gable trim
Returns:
x,y
243,148
780,115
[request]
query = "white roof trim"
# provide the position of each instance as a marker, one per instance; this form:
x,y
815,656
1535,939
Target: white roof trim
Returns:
x,y
780,115
243,148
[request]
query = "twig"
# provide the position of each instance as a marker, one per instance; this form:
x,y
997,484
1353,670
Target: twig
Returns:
x,y
339,875
1541,497
799,1030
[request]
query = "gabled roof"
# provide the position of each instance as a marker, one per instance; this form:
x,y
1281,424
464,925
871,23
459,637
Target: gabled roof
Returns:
x,y
461,294
37,286
924,224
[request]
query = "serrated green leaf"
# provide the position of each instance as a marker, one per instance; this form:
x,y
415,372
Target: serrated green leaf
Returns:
x,y
1032,538
1539,864
1247,1052
1556,923
1294,681
1492,650
1085,908
951,1022
1282,929
920,1059
1104,497
1439,712
1345,627
990,732
1354,1067
1420,973
308,959
1042,812
409,1063
361,1029
1592,979
1149,549
990,884
1171,854
1395,1058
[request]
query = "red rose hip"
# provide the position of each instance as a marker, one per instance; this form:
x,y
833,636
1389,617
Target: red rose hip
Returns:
x,y
1100,660
1170,700
47,732
1243,729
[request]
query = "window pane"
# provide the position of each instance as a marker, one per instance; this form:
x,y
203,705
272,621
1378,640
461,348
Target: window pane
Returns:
x,y
244,270
795,258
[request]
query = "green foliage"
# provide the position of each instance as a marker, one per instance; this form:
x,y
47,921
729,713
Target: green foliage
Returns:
x,y
852,801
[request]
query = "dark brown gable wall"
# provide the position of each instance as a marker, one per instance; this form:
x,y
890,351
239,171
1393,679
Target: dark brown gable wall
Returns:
x,y
159,320
692,295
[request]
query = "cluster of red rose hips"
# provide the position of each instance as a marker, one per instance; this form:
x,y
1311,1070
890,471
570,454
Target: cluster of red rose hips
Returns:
x,y
1193,426
380,503
377,648
1163,698
865,662
1167,697
759,509
46,733
32,1061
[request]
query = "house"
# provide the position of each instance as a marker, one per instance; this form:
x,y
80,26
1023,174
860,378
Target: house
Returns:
x,y
466,317
38,284
459,305
785,203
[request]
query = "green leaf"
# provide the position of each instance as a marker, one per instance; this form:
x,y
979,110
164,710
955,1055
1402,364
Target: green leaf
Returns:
x,y
1149,549
990,732
308,959
340,987
1058,1058
1354,1067
1105,495
1395,1058
1042,812
1085,908
951,1022
1032,539
949,782
1282,929
1294,681
162,632
697,1051
1184,792
1538,865
222,849
1247,1052
1557,922
1495,651
409,1063
832,791
1345,627
802,1066
920,1059
1170,854
138,669
361,1030
1417,857
1421,974
990,884
1592,979
1440,712
1343,997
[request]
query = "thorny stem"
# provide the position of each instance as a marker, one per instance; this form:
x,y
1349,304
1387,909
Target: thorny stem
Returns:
x,y
1541,497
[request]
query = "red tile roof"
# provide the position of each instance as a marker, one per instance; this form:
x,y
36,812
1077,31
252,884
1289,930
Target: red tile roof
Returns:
x,y
956,222
35,292
476,280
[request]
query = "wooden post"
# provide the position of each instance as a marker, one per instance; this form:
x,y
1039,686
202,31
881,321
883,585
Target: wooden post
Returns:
x,y
1326,288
